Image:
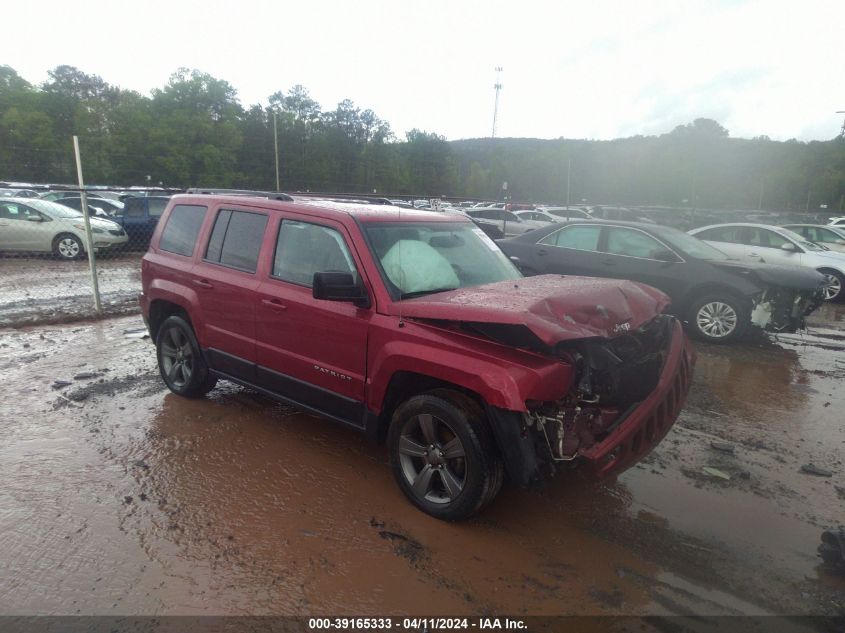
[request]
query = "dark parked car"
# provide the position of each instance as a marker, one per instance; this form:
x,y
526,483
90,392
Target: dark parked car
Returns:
x,y
413,327
507,221
139,217
717,296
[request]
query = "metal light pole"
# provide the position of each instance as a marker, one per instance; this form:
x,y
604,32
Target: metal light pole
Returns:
x,y
92,262
276,147
568,179
498,87
842,131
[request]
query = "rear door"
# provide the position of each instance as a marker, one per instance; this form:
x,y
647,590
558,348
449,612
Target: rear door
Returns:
x,y
310,350
571,250
728,239
224,280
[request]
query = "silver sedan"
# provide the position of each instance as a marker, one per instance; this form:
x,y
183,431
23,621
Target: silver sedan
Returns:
x,y
40,226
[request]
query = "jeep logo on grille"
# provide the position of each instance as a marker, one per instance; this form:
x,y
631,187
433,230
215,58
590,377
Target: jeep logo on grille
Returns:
x,y
621,327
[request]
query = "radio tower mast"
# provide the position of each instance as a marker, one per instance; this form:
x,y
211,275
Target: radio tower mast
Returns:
x,y
841,132
498,87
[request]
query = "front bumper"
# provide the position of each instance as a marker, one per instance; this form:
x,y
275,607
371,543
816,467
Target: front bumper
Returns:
x,y
648,423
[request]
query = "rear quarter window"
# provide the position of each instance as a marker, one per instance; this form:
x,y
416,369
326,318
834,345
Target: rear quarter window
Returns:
x,y
182,229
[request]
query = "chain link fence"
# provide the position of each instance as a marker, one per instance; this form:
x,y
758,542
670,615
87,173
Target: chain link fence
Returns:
x,y
45,272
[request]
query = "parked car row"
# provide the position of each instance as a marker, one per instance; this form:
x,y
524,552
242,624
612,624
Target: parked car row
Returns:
x,y
719,298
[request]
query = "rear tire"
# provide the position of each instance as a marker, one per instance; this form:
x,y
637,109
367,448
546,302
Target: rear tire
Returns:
x,y
718,318
443,455
180,360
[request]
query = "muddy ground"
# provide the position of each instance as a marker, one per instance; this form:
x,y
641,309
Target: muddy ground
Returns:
x,y
43,289
118,497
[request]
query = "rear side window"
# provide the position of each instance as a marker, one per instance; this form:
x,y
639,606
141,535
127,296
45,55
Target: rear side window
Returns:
x,y
182,228
730,234
303,249
579,237
157,206
236,239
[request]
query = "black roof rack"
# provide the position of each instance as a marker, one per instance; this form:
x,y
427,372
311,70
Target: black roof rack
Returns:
x,y
273,195
343,197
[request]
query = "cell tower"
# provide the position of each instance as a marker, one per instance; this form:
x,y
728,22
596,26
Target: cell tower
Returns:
x,y
498,87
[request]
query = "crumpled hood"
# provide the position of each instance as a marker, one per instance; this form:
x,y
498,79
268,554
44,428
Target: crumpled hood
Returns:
x,y
793,277
554,308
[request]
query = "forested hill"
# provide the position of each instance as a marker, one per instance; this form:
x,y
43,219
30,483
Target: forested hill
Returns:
x,y
696,165
193,131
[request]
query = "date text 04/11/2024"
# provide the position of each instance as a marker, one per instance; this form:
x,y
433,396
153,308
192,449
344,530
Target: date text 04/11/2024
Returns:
x,y
415,624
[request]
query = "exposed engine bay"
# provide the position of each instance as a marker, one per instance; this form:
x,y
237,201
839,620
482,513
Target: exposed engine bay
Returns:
x,y
612,377
780,309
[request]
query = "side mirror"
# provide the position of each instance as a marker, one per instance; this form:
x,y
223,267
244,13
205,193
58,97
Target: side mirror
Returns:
x,y
788,246
515,260
336,286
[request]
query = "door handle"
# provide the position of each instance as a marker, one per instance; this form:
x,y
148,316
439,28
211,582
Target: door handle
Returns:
x,y
203,283
608,262
754,254
274,304
541,252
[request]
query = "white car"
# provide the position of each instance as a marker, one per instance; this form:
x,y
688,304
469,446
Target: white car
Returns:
x,y
39,226
840,221
776,245
831,237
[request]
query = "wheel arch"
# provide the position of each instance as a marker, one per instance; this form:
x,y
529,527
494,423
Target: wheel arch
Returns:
x,y
404,384
160,310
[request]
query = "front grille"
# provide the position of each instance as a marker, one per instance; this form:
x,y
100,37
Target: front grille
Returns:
x,y
117,232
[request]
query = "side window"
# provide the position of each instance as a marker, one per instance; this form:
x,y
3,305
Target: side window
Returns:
x,y
822,236
10,211
236,239
133,208
632,243
579,237
303,249
765,238
730,234
182,228
157,206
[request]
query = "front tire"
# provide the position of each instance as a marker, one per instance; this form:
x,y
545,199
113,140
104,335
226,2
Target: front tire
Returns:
x,y
443,455
718,318
180,359
68,246
834,283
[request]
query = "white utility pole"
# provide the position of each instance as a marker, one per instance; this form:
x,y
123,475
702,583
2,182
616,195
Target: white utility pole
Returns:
x,y
92,261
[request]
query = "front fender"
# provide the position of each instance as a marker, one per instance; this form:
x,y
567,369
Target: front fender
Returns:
x,y
505,379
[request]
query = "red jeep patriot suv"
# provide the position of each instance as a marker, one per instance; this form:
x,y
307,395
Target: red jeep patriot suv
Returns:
x,y
414,328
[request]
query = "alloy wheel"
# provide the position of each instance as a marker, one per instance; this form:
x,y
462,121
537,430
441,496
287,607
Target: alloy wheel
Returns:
x,y
716,319
177,357
68,248
832,287
432,459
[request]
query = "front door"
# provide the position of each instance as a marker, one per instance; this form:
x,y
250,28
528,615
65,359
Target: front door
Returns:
x,y
310,350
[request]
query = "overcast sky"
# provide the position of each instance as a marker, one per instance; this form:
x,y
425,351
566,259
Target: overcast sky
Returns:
x,y
587,69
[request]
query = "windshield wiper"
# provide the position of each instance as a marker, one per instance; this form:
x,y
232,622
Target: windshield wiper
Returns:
x,y
420,293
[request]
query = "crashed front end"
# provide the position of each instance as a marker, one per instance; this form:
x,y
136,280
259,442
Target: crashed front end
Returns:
x,y
782,309
629,367
628,394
